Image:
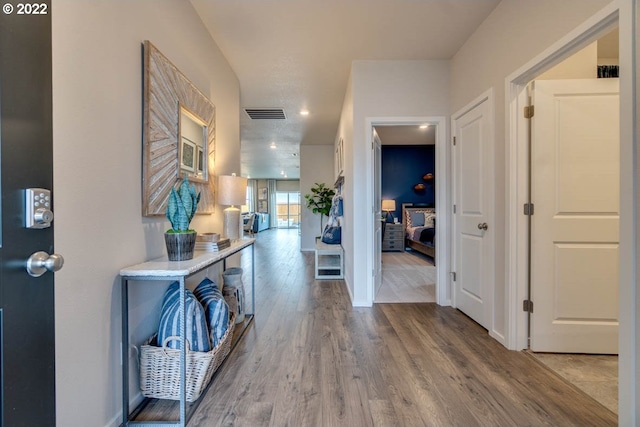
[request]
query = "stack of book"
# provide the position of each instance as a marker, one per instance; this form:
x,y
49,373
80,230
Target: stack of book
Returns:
x,y
213,246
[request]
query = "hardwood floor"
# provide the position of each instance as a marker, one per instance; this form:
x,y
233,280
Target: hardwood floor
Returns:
x,y
407,277
595,374
310,359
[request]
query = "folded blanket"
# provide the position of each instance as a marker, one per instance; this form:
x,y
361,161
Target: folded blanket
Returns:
x,y
427,235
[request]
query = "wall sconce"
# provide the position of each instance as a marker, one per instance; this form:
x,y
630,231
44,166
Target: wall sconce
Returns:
x,y
232,190
388,206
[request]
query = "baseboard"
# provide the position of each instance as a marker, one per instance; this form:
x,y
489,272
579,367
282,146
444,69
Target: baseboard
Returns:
x,y
498,337
116,421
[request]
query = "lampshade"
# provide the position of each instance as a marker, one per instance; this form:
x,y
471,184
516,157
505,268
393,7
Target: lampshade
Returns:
x,y
232,190
388,205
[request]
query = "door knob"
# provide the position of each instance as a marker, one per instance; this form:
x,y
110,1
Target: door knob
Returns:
x,y
483,226
41,262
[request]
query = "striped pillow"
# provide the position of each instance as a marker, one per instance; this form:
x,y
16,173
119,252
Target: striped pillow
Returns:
x,y
197,333
215,308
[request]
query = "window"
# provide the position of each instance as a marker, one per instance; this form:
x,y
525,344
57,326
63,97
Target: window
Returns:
x,y
288,209
249,202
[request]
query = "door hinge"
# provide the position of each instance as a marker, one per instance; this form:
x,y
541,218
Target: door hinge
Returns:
x,y
453,275
528,209
528,111
454,140
454,208
527,305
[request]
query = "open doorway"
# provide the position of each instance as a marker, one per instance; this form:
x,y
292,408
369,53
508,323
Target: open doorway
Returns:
x,y
407,177
552,180
438,124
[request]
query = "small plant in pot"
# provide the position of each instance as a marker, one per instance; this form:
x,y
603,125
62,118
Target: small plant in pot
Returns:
x,y
181,208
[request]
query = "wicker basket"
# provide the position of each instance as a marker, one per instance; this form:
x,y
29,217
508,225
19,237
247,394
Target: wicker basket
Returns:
x,y
160,367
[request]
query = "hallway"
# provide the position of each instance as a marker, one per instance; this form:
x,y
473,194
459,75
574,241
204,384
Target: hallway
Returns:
x,y
310,359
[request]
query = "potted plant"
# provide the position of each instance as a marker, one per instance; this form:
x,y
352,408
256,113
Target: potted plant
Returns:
x,y
319,201
181,208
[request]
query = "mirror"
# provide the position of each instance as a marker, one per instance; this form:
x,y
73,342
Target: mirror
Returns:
x,y
178,135
193,146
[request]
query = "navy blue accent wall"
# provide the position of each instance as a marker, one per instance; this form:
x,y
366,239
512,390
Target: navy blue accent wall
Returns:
x,y
403,166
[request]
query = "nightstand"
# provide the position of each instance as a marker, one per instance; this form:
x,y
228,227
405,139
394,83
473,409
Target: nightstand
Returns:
x,y
393,239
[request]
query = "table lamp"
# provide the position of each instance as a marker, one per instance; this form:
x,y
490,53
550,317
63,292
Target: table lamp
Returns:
x,y
232,190
388,206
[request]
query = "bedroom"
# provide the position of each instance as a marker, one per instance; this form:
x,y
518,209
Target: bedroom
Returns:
x,y
407,181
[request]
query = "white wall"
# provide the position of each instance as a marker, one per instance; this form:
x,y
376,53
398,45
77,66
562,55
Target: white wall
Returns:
x,y
97,123
514,33
379,89
581,65
288,185
316,166
345,131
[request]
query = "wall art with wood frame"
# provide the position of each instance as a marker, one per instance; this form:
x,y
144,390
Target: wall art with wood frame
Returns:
x,y
165,90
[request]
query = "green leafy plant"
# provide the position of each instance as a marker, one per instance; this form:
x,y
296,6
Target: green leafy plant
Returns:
x,y
319,201
182,206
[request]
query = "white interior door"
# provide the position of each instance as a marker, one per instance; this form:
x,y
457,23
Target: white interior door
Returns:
x,y
377,246
473,188
575,191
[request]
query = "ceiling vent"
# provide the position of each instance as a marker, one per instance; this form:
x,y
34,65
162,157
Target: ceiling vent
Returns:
x,y
265,113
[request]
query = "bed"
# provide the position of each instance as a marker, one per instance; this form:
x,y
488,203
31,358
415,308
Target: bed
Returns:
x,y
419,225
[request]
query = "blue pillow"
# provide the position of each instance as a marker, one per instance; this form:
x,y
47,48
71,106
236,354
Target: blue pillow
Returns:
x,y
215,309
196,332
417,219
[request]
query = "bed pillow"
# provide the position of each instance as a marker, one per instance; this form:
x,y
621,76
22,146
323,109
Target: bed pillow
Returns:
x,y
417,219
429,219
215,308
197,333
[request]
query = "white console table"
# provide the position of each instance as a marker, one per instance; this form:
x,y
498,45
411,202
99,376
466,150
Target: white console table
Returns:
x,y
162,269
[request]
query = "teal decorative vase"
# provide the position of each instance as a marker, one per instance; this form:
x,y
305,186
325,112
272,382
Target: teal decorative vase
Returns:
x,y
180,245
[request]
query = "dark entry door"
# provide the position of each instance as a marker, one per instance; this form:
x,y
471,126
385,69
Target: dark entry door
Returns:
x,y
26,161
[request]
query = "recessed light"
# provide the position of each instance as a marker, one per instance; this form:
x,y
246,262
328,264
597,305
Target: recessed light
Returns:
x,y
281,172
304,112
424,126
285,175
273,146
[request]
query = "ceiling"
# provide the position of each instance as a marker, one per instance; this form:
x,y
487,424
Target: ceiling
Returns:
x,y
296,55
406,135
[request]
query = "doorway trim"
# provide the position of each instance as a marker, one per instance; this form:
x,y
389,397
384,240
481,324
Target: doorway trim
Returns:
x,y
443,228
620,13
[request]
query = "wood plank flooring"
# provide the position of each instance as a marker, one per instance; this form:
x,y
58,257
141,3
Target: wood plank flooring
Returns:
x,y
407,277
310,359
